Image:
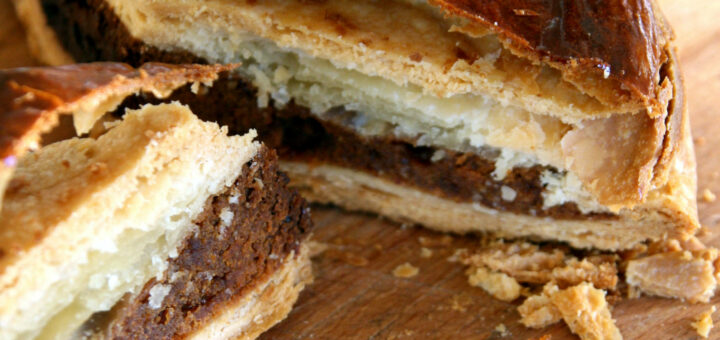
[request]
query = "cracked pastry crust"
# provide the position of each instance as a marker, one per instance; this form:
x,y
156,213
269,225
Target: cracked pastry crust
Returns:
x,y
88,223
550,105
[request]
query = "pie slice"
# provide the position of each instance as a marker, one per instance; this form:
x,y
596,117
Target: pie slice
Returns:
x,y
555,120
160,227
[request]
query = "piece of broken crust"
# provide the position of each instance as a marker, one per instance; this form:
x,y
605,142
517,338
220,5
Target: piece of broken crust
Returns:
x,y
582,307
498,284
527,263
704,323
683,274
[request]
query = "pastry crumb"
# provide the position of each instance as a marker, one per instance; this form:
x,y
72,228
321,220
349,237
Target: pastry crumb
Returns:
x,y
458,255
405,270
708,196
502,330
347,257
500,285
355,260
703,324
538,311
425,252
458,305
700,140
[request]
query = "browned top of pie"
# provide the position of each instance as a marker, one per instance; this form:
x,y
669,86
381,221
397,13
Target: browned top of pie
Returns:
x,y
623,41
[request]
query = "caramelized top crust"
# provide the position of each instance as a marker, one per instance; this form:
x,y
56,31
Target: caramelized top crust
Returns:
x,y
623,41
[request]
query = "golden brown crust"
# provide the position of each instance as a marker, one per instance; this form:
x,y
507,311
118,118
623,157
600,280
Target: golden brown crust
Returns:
x,y
589,41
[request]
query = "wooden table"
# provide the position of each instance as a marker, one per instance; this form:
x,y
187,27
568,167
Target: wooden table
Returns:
x,y
355,294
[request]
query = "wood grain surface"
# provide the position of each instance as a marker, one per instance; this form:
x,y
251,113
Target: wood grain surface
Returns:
x,y
356,296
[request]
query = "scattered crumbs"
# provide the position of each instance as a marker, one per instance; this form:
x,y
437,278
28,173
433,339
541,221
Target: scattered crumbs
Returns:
x,y
502,330
195,87
699,141
459,304
354,259
425,252
704,323
498,284
345,256
405,270
708,196
316,248
434,242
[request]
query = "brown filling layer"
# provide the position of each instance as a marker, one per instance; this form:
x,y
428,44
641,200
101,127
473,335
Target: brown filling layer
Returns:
x,y
219,263
298,135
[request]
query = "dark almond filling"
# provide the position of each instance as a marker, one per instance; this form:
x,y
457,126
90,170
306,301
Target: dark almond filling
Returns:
x,y
220,262
299,135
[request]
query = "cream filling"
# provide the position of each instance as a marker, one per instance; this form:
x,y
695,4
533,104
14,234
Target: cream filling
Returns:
x,y
463,122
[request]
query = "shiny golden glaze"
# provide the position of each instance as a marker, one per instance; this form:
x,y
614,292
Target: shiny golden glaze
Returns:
x,y
623,40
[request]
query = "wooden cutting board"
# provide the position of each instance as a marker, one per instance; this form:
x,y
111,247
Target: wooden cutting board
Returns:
x,y
356,296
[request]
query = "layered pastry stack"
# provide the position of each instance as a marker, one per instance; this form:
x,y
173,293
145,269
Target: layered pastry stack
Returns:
x,y
562,121
159,226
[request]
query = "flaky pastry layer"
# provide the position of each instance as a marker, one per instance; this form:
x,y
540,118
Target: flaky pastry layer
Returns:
x,y
81,212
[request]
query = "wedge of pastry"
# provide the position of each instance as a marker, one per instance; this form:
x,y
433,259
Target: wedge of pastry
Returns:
x,y
559,120
160,227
